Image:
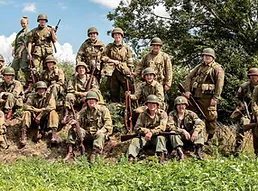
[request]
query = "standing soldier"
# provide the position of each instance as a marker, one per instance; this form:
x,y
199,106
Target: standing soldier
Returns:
x,y
2,67
40,41
53,77
20,52
91,52
11,92
120,55
41,108
160,62
149,124
189,127
205,83
95,124
243,112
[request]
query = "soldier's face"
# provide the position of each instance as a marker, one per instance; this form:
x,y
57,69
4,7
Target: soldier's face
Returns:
x,y
152,106
118,37
50,65
254,79
91,103
149,78
8,78
24,23
81,70
93,36
41,91
42,22
155,48
180,108
207,59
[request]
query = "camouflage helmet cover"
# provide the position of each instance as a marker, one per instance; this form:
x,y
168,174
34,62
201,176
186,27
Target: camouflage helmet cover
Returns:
x,y
152,99
156,41
92,30
42,17
117,30
209,52
9,71
50,58
41,84
92,95
80,64
180,100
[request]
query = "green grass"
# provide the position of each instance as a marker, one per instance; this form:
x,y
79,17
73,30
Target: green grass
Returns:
x,y
214,174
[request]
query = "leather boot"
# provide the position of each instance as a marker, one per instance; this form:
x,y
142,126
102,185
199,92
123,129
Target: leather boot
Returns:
x,y
237,149
180,154
198,152
9,114
53,139
23,139
70,154
93,155
131,159
161,158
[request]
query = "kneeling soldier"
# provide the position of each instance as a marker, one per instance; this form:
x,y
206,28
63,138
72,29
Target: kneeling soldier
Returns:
x,y
149,124
95,124
188,126
41,107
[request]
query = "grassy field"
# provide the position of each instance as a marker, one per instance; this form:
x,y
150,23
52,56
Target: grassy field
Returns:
x,y
212,174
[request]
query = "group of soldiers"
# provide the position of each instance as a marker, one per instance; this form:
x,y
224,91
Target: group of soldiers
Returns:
x,y
45,90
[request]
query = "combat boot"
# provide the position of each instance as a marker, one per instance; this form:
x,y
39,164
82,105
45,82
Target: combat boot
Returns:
x,y
198,152
23,139
93,155
53,139
161,158
70,154
131,159
237,150
180,154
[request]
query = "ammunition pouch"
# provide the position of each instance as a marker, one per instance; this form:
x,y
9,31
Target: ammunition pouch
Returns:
x,y
208,88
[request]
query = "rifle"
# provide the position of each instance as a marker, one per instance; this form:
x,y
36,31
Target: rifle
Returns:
x,y
249,126
56,27
134,86
78,128
128,137
192,100
246,109
128,105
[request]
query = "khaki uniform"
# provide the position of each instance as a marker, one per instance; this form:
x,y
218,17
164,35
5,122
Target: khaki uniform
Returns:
x,y
144,89
123,54
55,81
41,38
156,125
255,114
206,82
77,86
34,103
3,131
12,96
190,123
91,121
21,40
90,52
161,64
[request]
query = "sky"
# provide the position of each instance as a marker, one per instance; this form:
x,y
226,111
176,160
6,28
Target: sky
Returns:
x,y
76,17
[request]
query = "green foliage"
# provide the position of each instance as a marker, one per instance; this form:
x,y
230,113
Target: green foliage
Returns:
x,y
214,174
68,69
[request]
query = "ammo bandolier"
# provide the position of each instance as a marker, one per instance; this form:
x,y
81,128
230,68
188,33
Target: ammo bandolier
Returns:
x,y
205,82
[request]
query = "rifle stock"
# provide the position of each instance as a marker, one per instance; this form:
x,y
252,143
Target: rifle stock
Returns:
x,y
128,106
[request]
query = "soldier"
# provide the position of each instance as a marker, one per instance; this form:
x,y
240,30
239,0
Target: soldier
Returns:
x,y
205,83
119,55
2,67
149,124
11,92
78,87
91,52
20,52
40,40
41,108
149,86
3,131
160,62
243,112
189,127
53,77
95,124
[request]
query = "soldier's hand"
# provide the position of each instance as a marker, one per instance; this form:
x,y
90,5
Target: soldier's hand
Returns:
x,y
213,102
187,135
194,136
166,87
146,131
19,55
53,29
148,136
187,94
127,93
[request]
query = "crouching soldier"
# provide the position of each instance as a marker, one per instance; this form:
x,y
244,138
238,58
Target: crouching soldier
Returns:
x,y
188,126
95,124
11,92
149,124
40,108
3,131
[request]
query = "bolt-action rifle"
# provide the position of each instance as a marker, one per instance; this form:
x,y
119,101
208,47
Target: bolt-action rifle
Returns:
x,y
128,111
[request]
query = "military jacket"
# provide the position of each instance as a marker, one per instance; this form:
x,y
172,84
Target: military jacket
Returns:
x,y
2,72
190,122
98,118
77,85
35,102
21,39
53,76
122,53
156,124
90,52
206,81
144,89
14,87
161,64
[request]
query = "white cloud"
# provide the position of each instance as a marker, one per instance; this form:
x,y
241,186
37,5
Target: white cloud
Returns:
x,y
3,2
64,52
62,5
108,3
160,10
29,7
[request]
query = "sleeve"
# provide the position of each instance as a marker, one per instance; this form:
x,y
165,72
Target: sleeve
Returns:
x,y
30,36
220,75
61,77
28,106
199,125
106,53
17,90
139,68
172,126
254,101
162,124
189,78
51,105
139,126
160,93
107,128
168,71
80,53
70,86
129,57
137,93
